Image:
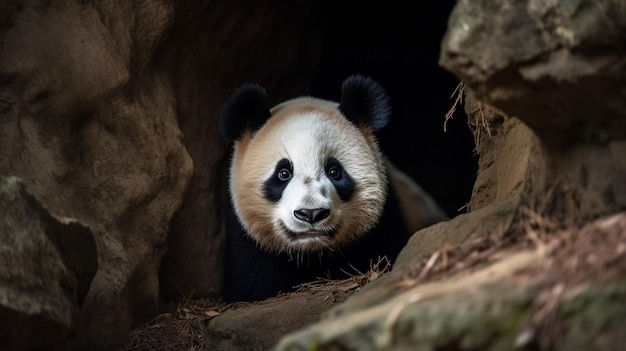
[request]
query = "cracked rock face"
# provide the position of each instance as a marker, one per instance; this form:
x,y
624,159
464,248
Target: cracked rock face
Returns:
x,y
559,66
90,127
46,267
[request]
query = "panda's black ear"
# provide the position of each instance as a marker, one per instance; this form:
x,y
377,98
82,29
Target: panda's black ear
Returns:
x,y
246,110
364,102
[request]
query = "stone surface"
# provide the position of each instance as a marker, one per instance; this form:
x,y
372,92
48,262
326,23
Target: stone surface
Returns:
x,y
458,313
89,125
505,147
560,67
557,65
462,228
46,267
260,326
521,299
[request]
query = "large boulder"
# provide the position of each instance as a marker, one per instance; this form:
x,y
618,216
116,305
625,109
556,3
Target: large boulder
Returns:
x,y
89,125
46,267
559,67
260,326
523,299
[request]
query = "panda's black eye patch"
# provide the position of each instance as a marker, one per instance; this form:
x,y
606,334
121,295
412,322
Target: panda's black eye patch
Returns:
x,y
274,186
343,183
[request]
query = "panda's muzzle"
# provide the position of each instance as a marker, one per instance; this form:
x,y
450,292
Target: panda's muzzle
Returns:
x,y
311,215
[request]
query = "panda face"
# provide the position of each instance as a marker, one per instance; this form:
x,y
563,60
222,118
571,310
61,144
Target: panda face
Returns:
x,y
308,180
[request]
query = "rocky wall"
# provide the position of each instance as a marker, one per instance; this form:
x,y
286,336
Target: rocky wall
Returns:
x,y
90,127
47,265
558,67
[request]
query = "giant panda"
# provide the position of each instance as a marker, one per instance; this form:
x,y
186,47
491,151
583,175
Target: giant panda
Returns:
x,y
310,190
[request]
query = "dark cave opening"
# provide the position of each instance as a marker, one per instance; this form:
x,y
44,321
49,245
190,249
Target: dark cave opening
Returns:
x,y
397,43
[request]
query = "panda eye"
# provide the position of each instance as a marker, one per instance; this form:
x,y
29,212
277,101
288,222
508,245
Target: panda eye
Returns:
x,y
284,174
334,172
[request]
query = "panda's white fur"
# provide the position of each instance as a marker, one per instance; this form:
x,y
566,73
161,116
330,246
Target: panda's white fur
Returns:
x,y
307,132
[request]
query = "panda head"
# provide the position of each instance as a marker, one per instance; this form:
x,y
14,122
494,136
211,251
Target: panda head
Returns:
x,y
307,175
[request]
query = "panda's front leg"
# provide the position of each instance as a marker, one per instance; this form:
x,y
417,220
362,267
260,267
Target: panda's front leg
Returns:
x,y
251,273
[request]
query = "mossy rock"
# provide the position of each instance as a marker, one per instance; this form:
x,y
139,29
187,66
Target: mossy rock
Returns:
x,y
501,315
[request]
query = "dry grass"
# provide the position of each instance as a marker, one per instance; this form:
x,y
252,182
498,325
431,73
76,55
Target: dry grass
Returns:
x,y
457,94
182,328
356,281
478,123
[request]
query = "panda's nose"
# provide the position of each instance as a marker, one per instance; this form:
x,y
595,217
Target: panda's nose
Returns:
x,y
311,215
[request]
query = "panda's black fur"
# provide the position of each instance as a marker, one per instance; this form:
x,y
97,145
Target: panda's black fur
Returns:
x,y
253,271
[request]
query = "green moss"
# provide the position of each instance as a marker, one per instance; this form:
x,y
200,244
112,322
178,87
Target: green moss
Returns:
x,y
594,316
315,344
485,319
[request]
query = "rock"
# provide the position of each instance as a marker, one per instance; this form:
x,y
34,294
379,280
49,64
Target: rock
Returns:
x,y
506,148
493,317
558,66
260,326
453,313
466,226
89,124
46,267
522,299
